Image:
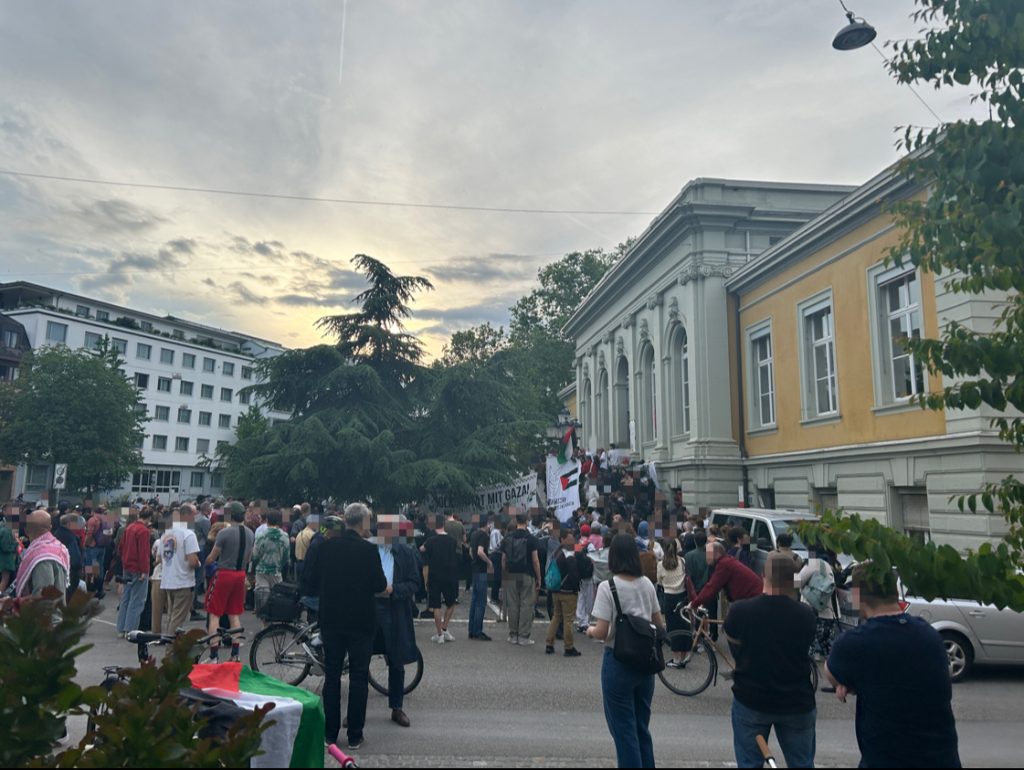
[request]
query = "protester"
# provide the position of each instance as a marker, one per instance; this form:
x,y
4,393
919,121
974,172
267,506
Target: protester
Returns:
x,y
521,580
441,556
494,554
588,589
769,637
232,551
627,693
302,541
817,585
566,596
135,555
784,544
270,558
738,545
672,579
179,557
63,525
157,596
738,582
481,564
396,611
309,583
897,667
8,555
45,563
201,526
350,576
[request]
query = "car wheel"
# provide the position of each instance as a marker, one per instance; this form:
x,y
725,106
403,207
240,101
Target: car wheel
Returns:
x,y
960,654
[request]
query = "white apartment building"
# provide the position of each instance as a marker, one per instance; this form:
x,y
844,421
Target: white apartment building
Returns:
x,y
189,375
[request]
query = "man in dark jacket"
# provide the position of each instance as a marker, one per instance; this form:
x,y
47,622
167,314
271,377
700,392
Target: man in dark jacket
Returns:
x,y
62,531
351,576
396,637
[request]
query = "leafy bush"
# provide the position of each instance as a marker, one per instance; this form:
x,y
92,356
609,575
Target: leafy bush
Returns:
x,y
142,722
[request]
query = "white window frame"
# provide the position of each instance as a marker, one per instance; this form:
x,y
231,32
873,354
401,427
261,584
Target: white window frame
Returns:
x,y
120,345
167,356
188,360
209,365
204,389
95,343
159,443
54,325
879,276
809,374
162,410
185,388
754,334
181,444
208,416
139,347
202,446
163,384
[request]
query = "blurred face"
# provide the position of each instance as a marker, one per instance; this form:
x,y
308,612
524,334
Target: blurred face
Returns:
x,y
388,530
712,557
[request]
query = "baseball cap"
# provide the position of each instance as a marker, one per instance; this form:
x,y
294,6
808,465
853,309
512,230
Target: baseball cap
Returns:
x,y
585,530
333,522
234,507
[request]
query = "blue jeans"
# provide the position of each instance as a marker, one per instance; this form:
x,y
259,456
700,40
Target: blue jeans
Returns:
x,y
627,709
795,732
133,600
478,605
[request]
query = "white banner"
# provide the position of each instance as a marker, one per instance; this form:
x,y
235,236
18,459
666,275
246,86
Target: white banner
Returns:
x,y
522,493
563,487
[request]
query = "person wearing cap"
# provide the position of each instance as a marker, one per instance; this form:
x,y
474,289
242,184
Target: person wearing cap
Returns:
x,y
769,636
232,552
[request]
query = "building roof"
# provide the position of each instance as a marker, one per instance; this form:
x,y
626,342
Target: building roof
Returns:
x,y
30,290
832,223
689,209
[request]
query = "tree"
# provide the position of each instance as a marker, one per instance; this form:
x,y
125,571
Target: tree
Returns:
x,y
75,407
969,230
476,345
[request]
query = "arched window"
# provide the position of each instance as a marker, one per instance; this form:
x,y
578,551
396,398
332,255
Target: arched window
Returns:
x,y
603,401
621,411
681,376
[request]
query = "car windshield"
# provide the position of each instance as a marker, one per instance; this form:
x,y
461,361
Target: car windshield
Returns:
x,y
787,526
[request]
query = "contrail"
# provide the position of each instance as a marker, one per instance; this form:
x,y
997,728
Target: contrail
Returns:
x,y
341,57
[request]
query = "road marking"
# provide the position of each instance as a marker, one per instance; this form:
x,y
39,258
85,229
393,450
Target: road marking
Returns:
x,y
104,622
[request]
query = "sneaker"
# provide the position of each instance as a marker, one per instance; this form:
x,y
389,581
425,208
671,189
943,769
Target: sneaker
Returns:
x,y
675,664
354,744
448,637
573,653
484,638
549,650
526,642
513,639
437,639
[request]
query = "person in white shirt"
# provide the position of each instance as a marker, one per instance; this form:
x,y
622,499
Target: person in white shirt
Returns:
x,y
178,550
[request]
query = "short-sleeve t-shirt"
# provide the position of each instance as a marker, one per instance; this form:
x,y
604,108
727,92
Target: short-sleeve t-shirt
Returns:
x,y
440,553
480,539
456,529
898,667
637,597
175,545
513,546
228,542
770,637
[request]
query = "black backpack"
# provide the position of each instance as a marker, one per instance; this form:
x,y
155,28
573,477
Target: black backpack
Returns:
x,y
585,566
282,605
638,642
517,549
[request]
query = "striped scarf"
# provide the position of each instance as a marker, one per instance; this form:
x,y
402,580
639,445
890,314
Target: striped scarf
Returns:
x,y
43,548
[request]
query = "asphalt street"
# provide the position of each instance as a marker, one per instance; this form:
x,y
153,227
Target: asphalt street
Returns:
x,y
494,705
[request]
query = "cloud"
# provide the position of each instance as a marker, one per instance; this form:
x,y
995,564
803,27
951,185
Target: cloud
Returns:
x,y
118,215
488,269
309,300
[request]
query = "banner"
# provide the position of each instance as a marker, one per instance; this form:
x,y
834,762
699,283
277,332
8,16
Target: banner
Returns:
x,y
563,487
522,493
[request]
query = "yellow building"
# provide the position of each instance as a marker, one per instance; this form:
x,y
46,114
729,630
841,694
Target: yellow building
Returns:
x,y
824,385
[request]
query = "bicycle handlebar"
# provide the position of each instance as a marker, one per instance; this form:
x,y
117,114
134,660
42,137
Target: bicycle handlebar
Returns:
x,y
144,637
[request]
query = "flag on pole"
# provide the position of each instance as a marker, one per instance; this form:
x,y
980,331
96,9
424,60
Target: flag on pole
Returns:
x,y
568,448
296,739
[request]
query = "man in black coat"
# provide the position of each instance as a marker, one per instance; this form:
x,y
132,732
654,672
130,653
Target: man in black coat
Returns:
x,y
396,637
351,576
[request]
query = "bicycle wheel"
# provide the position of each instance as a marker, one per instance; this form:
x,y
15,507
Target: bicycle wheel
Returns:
x,y
698,668
276,653
379,674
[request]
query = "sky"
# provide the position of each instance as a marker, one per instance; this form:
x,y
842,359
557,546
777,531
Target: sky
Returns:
x,y
560,105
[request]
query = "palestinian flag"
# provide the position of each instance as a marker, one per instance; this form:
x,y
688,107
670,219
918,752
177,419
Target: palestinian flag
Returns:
x,y
296,739
570,479
568,448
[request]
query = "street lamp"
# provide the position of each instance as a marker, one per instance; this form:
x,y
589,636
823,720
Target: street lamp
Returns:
x,y
857,34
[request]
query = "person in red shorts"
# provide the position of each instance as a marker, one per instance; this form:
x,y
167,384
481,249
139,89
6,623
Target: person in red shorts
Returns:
x,y
232,552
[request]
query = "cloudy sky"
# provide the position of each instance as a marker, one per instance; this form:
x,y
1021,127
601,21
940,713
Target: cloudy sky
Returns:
x,y
582,105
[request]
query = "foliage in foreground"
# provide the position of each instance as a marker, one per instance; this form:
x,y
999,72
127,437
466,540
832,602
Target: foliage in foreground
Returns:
x,y
145,724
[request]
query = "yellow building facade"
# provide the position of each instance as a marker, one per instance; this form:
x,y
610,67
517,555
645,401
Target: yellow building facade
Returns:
x,y
824,386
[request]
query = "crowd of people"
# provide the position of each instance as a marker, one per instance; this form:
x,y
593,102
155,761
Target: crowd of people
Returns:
x,y
628,551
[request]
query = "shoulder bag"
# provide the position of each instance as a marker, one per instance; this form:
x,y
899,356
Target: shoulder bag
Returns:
x,y
638,642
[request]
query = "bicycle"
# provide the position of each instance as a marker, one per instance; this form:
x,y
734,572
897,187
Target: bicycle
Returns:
x,y
142,640
289,653
699,667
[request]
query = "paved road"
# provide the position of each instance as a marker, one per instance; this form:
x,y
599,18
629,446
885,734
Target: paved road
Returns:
x,y
491,704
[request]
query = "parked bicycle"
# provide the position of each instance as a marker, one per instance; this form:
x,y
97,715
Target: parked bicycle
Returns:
x,y
698,668
142,641
290,652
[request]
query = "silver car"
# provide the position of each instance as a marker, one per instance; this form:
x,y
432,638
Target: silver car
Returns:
x,y
972,633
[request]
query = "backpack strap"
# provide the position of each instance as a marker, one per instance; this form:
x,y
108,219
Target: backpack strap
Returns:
x,y
241,548
615,598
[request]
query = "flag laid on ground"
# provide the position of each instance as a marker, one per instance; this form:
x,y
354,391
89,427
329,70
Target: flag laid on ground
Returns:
x,y
297,737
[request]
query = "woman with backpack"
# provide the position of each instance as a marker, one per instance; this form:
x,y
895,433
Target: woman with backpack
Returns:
x,y
627,685
817,584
